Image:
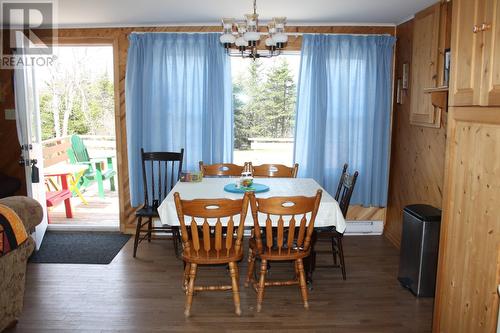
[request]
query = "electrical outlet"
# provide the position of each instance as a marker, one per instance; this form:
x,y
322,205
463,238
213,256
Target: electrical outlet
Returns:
x,y
10,114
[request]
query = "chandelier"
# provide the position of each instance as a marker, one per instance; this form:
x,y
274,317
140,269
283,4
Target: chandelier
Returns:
x,y
245,36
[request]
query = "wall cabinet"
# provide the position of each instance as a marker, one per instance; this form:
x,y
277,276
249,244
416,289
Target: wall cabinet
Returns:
x,y
424,67
475,73
490,84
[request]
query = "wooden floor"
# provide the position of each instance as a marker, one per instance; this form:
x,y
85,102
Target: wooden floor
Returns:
x,y
98,212
144,295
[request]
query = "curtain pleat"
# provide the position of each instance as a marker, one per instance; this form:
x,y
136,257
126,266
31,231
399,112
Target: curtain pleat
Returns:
x,y
178,95
343,112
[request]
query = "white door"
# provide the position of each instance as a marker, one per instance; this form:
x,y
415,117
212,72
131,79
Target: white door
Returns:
x,y
29,134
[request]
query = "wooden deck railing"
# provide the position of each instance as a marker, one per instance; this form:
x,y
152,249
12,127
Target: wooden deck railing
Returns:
x,y
55,150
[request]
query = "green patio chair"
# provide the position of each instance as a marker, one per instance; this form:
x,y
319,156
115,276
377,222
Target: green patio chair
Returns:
x,y
78,154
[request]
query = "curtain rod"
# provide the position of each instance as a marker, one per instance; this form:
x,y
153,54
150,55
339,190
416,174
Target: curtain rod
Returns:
x,y
210,32
294,34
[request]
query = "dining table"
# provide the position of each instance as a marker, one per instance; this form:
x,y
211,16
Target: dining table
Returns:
x,y
328,215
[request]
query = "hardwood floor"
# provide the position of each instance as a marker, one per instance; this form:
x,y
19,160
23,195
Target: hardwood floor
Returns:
x,y
144,295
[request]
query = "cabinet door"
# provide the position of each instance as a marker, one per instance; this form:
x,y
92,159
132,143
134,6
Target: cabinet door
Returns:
x,y
490,88
424,66
468,274
465,75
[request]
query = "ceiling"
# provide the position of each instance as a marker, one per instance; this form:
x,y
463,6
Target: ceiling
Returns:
x,y
120,13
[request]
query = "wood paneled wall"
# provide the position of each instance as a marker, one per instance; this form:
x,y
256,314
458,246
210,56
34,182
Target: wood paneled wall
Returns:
x,y
417,153
119,37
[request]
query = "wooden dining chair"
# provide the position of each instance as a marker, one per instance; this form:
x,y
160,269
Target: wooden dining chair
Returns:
x,y
160,172
222,169
213,246
343,197
275,170
289,240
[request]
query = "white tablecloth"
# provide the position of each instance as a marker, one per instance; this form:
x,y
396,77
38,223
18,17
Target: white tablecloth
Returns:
x,y
329,213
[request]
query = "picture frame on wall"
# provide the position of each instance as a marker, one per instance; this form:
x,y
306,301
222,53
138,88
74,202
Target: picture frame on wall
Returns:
x,y
406,70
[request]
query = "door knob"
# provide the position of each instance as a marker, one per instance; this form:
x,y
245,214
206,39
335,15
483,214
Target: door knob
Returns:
x,y
476,29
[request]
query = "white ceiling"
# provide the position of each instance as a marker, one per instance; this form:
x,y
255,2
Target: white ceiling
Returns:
x,y
120,13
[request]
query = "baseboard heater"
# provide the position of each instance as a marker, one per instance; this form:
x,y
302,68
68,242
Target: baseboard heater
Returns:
x,y
364,228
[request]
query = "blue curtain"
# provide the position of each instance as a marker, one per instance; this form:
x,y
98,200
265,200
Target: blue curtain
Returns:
x,y
178,94
343,112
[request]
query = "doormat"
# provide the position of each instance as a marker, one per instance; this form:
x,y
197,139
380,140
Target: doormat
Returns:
x,y
60,247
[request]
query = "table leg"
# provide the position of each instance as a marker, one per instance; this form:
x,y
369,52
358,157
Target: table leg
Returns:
x,y
67,202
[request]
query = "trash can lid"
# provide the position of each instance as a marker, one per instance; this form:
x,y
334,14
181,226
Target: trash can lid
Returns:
x,y
424,212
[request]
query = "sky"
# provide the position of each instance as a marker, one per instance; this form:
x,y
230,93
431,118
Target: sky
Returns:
x,y
98,60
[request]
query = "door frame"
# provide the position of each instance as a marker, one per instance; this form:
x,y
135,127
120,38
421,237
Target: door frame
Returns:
x,y
119,122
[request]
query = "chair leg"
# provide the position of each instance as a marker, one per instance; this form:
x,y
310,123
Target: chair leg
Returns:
x,y
177,240
251,268
233,271
334,251
137,235
186,277
262,284
341,255
190,290
237,273
112,183
150,227
302,283
100,185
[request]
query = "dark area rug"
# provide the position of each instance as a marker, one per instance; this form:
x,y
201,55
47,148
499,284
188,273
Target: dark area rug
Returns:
x,y
79,247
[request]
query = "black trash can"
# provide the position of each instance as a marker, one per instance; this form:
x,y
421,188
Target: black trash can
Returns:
x,y
419,249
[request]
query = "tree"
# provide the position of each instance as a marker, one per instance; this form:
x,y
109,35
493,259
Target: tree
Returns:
x,y
241,123
247,92
279,101
76,101
264,102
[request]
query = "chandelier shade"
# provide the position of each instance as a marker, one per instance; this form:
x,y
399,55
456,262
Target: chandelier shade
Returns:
x,y
245,36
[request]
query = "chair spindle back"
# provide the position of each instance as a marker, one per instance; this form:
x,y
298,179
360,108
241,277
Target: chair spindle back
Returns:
x,y
286,236
345,189
213,239
160,172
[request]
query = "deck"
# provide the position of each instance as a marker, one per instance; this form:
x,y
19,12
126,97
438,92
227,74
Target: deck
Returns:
x,y
98,212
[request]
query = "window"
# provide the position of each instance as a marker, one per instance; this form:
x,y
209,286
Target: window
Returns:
x,y
264,96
